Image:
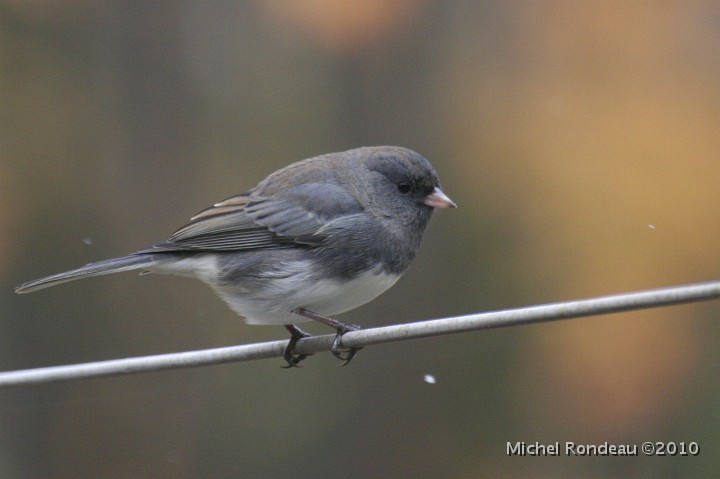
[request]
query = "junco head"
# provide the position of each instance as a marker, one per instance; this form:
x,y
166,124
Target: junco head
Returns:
x,y
317,238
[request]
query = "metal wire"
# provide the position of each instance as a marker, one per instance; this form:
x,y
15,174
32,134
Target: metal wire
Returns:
x,y
366,337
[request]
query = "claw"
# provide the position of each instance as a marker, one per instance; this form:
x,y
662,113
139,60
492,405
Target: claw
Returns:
x,y
296,334
344,355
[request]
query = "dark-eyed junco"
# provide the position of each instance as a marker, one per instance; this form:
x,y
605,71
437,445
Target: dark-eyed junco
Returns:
x,y
317,238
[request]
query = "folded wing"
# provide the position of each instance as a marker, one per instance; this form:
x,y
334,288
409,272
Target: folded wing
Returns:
x,y
292,216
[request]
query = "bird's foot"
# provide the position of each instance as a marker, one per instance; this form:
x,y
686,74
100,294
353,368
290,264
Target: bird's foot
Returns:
x,y
343,354
296,334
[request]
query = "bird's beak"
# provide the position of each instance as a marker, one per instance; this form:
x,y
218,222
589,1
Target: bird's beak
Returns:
x,y
438,199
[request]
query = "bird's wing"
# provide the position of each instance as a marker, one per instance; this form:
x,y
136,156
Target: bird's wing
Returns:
x,y
294,215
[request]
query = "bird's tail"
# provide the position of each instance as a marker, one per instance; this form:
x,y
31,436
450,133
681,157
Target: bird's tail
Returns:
x,y
114,265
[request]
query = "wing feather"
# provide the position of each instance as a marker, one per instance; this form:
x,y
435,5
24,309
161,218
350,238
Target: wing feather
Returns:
x,y
291,216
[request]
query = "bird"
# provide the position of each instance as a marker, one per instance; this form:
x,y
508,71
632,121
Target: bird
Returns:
x,y
314,239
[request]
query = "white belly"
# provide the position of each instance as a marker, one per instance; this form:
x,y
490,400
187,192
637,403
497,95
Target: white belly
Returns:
x,y
326,297
294,285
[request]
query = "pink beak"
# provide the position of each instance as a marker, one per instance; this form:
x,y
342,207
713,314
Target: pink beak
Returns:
x,y
438,199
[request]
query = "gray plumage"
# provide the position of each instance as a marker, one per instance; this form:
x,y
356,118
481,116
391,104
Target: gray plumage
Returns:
x,y
326,234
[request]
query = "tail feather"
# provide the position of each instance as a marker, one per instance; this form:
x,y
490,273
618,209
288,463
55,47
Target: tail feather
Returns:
x,y
108,266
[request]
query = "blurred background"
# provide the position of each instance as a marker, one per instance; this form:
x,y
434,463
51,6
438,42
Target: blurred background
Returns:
x,y
581,141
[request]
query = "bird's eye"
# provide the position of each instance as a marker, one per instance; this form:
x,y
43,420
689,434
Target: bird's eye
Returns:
x,y
403,188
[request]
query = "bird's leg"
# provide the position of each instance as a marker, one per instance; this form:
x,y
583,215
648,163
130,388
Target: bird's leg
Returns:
x,y
343,354
296,334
